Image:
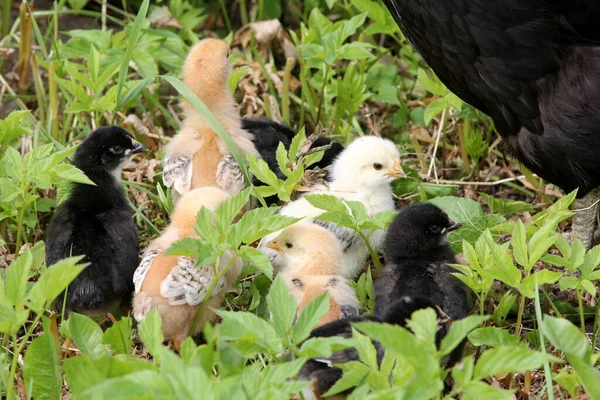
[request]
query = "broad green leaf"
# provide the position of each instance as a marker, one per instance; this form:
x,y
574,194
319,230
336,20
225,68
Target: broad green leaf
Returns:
x,y
254,334
150,332
459,209
297,142
54,280
133,93
588,375
506,303
261,170
459,330
558,208
17,275
504,359
190,247
235,77
282,306
566,337
354,51
87,336
41,372
327,202
519,243
433,86
119,336
423,323
492,336
310,316
505,206
434,108
258,259
527,286
478,390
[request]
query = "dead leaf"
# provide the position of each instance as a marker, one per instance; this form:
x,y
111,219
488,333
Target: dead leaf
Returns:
x,y
162,18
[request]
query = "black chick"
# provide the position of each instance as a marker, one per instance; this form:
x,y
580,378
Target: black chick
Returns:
x,y
417,269
534,67
417,276
267,135
97,221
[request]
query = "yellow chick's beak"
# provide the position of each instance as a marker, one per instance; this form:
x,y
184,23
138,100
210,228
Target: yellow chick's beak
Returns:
x,y
397,172
274,245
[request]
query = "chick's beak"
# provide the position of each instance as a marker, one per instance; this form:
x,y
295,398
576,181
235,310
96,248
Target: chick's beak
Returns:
x,y
397,172
452,227
274,245
137,147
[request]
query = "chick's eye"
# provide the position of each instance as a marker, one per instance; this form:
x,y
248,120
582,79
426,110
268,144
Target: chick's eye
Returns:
x,y
297,282
377,166
288,245
436,229
116,150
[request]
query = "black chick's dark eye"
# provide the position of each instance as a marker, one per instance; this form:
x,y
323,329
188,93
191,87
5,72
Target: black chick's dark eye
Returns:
x,y
436,229
118,150
288,245
377,166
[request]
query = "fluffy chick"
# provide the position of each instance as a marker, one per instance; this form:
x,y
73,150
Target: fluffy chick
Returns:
x,y
416,276
97,221
308,248
417,262
196,156
174,284
342,299
362,172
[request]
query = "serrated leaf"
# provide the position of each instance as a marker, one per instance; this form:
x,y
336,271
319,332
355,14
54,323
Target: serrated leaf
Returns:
x,y
54,280
458,209
41,373
119,336
459,330
230,208
190,247
150,332
246,329
588,375
327,202
434,108
71,174
282,306
17,275
310,316
566,337
504,359
87,336
519,243
478,390
423,323
492,336
261,171
527,286
258,259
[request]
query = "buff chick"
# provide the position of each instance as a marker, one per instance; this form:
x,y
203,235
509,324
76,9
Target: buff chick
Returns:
x,y
313,258
196,156
174,284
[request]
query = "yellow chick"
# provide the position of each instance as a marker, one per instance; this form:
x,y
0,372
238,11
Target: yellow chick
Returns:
x,y
196,156
313,261
174,284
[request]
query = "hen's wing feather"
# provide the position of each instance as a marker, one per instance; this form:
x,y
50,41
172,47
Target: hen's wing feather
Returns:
x,y
229,175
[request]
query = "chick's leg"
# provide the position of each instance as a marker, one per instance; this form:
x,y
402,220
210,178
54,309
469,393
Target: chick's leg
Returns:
x,y
585,219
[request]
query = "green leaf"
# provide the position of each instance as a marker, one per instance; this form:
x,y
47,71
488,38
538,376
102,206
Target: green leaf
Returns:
x,y
132,42
588,375
310,316
87,336
492,336
297,142
235,77
354,51
458,209
434,108
230,208
54,280
17,275
478,390
190,247
258,259
433,86
150,332
119,336
249,334
327,202
505,206
133,93
261,170
282,306
527,286
566,337
282,159
423,323
504,359
41,372
519,243
459,330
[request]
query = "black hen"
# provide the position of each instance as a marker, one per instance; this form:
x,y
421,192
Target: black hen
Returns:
x,y
416,276
267,136
97,221
534,67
